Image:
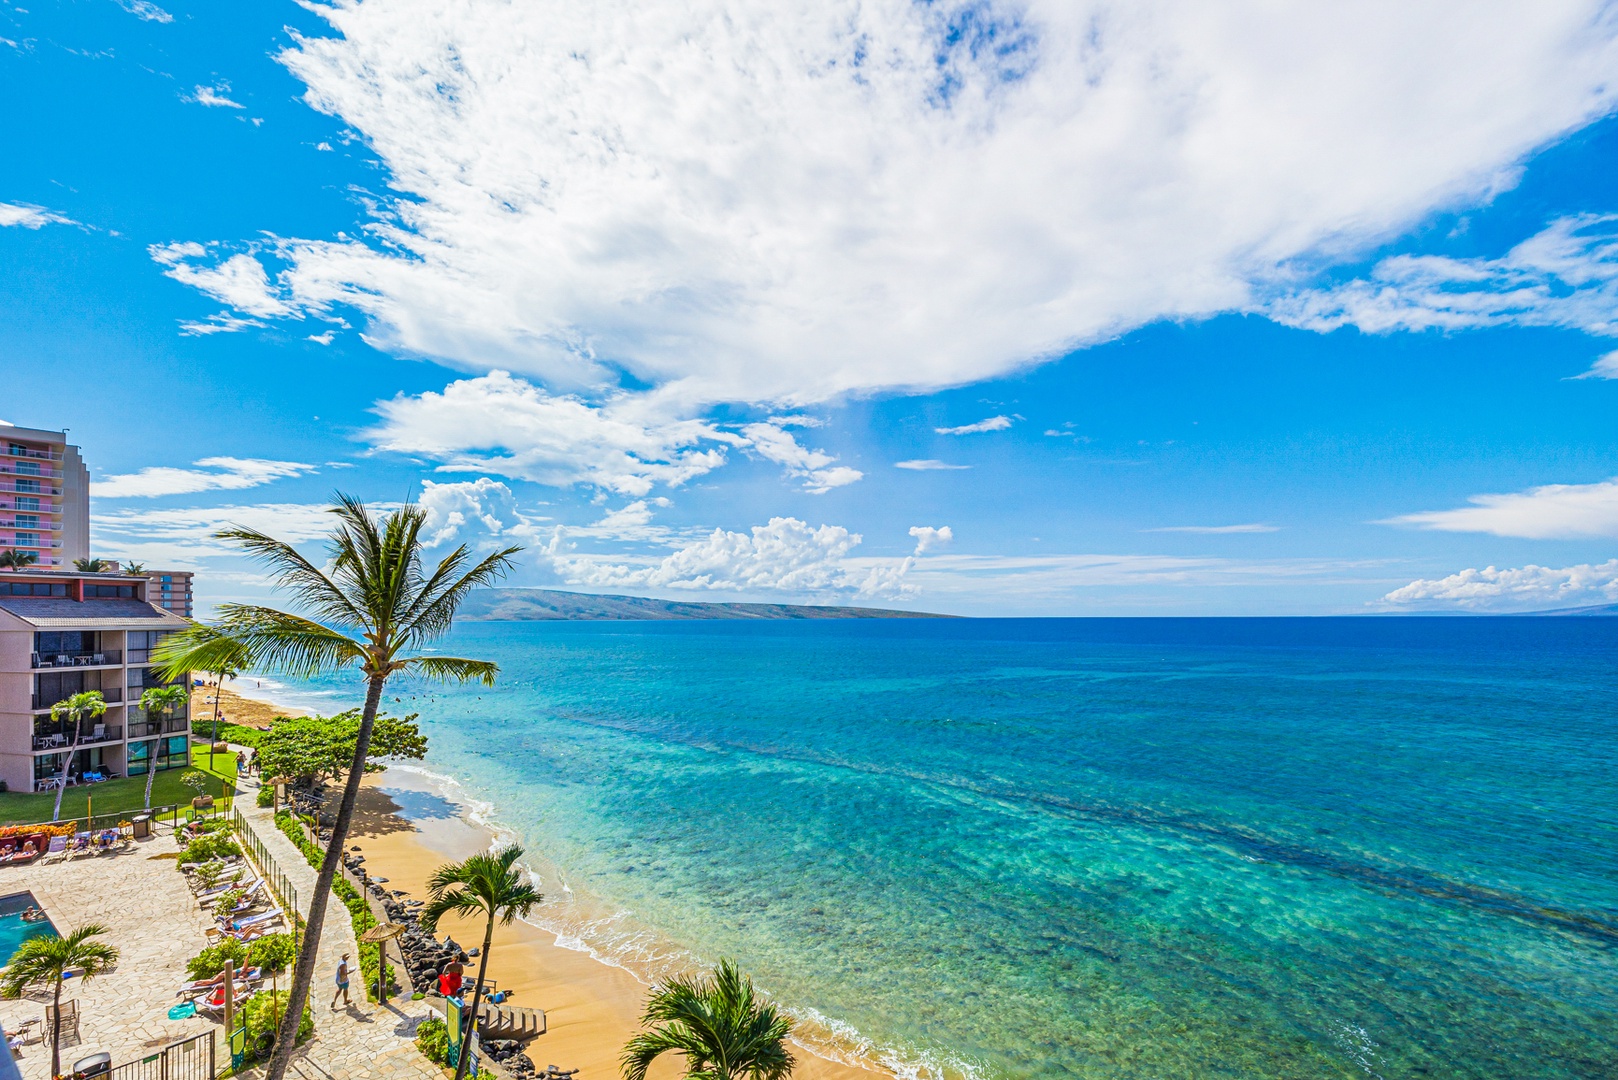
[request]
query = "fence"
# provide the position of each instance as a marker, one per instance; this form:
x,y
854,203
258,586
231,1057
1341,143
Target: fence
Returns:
x,y
272,873
191,1059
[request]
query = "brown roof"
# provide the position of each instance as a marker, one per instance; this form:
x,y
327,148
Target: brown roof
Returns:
x,y
98,613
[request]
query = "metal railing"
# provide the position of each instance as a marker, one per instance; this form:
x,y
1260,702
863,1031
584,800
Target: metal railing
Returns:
x,y
85,658
189,1059
271,871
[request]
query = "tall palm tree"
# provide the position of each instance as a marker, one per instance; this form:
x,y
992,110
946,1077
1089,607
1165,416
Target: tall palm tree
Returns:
x,y
375,588
17,560
723,1030
230,658
487,884
162,700
86,703
48,958
90,566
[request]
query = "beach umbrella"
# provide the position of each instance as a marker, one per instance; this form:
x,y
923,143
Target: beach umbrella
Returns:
x,y
379,936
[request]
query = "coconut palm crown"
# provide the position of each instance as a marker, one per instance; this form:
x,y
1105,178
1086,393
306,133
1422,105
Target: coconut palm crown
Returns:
x,y
487,884
369,611
720,1026
45,959
85,703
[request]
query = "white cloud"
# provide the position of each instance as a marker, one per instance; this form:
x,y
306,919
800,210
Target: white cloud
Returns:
x,y
323,339
1605,367
993,423
504,425
216,97
1216,530
928,537
1551,512
453,508
221,323
1566,276
239,281
759,202
771,441
182,535
785,556
927,465
1526,588
214,474
30,217
144,9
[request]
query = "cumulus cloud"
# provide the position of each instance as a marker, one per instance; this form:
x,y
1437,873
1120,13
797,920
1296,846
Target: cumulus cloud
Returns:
x,y
1524,588
927,465
508,426
928,537
771,441
785,556
215,97
759,202
212,474
453,509
1565,276
185,534
30,217
1216,530
993,423
240,281
1551,512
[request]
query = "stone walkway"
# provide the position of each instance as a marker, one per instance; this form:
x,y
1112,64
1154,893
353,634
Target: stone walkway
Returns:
x,y
364,1041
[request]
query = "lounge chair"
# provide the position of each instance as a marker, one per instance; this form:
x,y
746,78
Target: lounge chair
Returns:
x,y
214,1004
208,986
267,918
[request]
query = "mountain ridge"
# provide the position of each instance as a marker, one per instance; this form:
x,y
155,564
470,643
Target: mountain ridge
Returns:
x,y
555,605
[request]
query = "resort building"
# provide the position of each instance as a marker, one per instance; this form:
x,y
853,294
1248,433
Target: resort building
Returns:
x,y
44,497
170,590
62,633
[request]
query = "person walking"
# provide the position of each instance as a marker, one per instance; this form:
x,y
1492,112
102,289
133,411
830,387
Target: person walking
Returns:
x,y
342,983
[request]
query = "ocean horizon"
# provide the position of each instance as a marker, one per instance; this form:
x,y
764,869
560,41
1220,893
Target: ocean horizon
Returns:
x,y
1325,847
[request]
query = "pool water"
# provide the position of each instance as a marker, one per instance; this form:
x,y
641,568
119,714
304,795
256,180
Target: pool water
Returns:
x,y
14,929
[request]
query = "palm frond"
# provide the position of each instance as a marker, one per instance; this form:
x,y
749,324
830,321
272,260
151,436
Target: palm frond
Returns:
x,y
292,572
453,669
461,903
720,1025
489,883
198,648
288,643
429,618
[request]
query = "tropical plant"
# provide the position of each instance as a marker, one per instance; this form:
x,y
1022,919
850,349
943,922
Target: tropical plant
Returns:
x,y
370,611
87,703
17,560
261,1015
211,961
91,566
135,569
308,748
272,952
720,1026
487,884
227,658
432,1039
47,959
162,700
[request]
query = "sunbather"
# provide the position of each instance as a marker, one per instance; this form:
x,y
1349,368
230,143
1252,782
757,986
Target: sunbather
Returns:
x,y
240,978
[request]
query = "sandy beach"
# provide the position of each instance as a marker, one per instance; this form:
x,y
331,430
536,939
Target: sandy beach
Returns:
x,y
250,712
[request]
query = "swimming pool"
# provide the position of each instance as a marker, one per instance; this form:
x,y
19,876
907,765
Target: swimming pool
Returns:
x,y
14,929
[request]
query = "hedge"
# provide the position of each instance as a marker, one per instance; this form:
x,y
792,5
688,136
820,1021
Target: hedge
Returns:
x,y
359,912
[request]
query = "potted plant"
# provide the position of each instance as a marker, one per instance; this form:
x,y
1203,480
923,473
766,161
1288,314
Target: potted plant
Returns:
x,y
198,782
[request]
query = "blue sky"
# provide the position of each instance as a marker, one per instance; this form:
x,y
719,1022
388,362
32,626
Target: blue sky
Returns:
x,y
1251,314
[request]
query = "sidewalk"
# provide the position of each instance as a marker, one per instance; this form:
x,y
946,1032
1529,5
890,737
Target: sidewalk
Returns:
x,y
364,1041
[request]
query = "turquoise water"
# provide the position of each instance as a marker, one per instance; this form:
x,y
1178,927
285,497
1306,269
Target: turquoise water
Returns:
x,y
1084,848
14,930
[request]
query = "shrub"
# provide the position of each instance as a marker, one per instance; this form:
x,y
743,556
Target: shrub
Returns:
x,y
359,912
228,900
273,952
209,872
211,961
266,795
210,846
259,1016
432,1039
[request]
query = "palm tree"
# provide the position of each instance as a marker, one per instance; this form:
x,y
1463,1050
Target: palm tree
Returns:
x,y
230,658
17,560
135,569
47,958
86,703
90,566
487,884
376,588
719,1025
162,700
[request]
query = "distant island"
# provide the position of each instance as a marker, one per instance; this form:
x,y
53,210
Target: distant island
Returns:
x,y
536,605
1593,609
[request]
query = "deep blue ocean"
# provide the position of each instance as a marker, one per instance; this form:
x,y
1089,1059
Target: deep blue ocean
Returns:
x,y
1159,848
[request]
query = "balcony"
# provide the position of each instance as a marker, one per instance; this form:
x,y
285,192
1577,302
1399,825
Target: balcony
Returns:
x,y
31,526
8,483
25,452
30,544
145,729
58,738
104,658
21,468
111,695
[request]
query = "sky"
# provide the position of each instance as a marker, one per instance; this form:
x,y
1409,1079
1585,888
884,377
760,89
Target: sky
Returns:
x,y
988,308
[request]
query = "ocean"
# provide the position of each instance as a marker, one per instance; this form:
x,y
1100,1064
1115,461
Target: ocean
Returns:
x,y
1154,848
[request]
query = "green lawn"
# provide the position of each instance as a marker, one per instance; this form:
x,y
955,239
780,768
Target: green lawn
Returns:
x,y
118,796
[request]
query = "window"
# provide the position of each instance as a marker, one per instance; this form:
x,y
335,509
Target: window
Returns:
x,y
28,468
25,503
28,485
27,521
27,539
110,591
18,449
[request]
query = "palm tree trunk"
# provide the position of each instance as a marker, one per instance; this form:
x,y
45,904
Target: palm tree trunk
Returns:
x,y
303,975
61,785
218,689
151,767
477,1001
56,1028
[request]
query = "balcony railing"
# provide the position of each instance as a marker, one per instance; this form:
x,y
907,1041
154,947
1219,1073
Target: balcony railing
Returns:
x,y
31,526
9,483
44,455
147,728
59,739
17,542
111,695
78,659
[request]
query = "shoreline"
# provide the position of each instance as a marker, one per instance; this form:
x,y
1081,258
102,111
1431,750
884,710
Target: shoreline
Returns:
x,y
406,826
